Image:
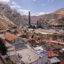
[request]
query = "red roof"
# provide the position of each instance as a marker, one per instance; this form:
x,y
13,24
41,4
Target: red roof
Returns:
x,y
50,54
10,36
31,38
2,30
61,62
46,40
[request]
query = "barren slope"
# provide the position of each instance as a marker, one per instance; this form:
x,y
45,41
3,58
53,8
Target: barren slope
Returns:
x,y
5,22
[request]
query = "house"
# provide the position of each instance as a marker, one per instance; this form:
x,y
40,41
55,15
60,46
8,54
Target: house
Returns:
x,y
54,60
2,31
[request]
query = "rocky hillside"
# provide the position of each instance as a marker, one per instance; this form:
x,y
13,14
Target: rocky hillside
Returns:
x,y
56,17
11,14
53,18
5,23
60,11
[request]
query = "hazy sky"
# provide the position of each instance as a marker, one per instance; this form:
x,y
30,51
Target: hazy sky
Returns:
x,y
37,7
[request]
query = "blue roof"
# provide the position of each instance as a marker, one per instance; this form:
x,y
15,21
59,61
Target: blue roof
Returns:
x,y
42,54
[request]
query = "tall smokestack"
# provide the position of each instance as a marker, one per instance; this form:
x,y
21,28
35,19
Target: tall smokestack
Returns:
x,y
29,19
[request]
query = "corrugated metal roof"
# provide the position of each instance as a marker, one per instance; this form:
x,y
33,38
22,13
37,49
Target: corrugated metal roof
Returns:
x,y
54,60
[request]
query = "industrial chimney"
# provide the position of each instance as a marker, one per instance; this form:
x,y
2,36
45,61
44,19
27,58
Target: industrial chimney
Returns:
x,y
29,19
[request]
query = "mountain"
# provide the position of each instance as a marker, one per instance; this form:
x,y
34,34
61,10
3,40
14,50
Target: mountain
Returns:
x,y
60,11
54,18
12,14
